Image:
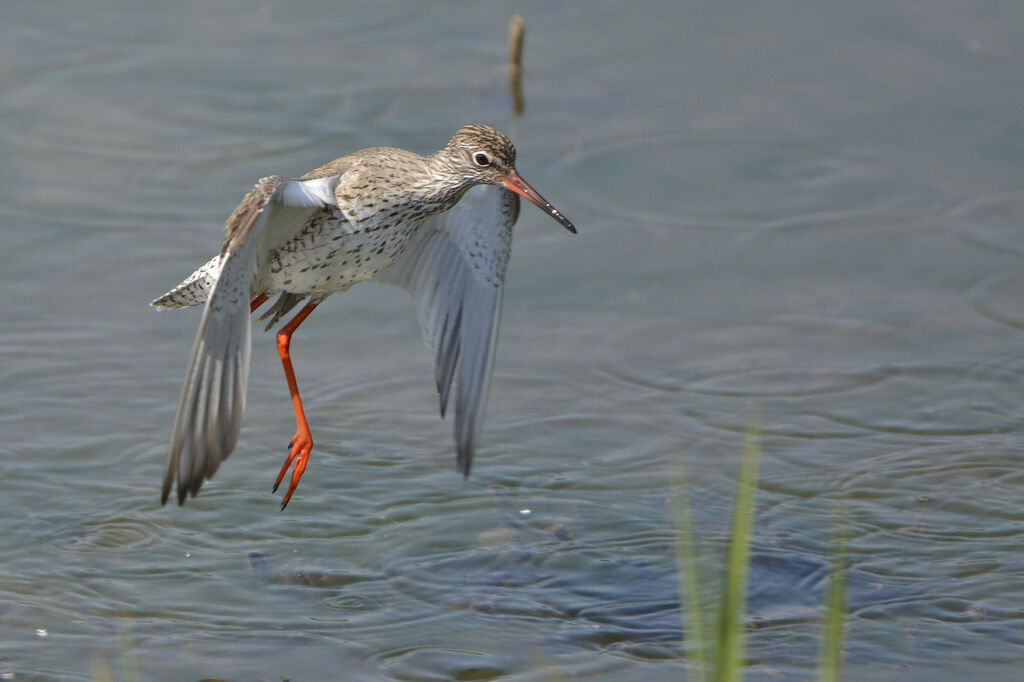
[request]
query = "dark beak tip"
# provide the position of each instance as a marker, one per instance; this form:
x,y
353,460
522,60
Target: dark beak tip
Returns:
x,y
515,183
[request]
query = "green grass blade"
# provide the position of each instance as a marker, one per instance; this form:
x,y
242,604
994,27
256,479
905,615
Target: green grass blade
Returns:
x,y
690,609
835,608
731,629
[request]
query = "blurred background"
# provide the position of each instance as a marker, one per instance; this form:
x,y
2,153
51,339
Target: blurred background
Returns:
x,y
809,212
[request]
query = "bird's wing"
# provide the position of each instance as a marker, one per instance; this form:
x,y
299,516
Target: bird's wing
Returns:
x,y
454,267
209,412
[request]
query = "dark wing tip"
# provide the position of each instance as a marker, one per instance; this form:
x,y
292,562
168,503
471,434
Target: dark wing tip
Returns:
x,y
165,491
464,462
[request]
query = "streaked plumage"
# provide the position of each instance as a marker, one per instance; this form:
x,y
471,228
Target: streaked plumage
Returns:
x,y
439,226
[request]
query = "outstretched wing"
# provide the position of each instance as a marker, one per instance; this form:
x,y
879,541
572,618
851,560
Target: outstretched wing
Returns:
x,y
454,267
209,412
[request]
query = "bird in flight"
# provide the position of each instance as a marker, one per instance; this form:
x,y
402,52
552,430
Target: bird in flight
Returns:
x,y
439,225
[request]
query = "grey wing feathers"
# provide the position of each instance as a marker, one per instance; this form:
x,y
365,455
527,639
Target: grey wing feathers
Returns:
x,y
209,412
455,268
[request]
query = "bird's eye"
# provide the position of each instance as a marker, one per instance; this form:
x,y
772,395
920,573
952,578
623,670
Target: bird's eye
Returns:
x,y
481,159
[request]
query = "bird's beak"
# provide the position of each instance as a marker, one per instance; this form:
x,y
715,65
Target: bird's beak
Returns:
x,y
518,185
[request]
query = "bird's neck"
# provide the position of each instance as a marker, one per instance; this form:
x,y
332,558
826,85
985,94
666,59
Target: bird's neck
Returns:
x,y
442,186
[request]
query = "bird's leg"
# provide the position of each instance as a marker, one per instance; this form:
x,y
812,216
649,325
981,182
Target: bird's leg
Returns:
x,y
257,302
302,443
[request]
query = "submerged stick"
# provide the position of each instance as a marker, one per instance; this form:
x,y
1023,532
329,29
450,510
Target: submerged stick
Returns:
x,y
516,31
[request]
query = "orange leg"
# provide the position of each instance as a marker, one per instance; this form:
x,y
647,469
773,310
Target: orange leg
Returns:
x,y
302,443
257,302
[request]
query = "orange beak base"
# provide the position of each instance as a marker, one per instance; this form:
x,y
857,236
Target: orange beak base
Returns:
x,y
516,184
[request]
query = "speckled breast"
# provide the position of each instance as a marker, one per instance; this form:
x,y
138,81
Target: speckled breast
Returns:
x,y
330,254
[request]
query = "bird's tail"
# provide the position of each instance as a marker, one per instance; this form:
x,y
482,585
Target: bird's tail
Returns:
x,y
194,289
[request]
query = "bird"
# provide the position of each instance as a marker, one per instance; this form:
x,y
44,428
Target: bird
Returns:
x,y
439,226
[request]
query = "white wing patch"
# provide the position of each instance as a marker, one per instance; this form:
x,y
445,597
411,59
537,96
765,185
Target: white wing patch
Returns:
x,y
318,192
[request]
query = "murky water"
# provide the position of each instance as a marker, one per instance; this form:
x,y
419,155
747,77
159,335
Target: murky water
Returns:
x,y
804,212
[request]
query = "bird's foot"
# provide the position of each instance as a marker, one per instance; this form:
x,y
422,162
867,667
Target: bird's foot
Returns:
x,y
300,447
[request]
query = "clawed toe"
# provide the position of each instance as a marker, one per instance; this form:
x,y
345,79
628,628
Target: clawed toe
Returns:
x,y
299,448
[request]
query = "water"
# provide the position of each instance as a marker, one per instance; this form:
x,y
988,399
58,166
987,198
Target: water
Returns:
x,y
807,212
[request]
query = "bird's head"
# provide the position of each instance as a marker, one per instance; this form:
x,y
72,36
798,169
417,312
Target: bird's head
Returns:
x,y
486,157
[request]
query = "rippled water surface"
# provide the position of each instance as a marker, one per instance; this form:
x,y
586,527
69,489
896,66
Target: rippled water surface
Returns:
x,y
808,213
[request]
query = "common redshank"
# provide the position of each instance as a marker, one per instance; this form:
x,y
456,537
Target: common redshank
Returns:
x,y
381,212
